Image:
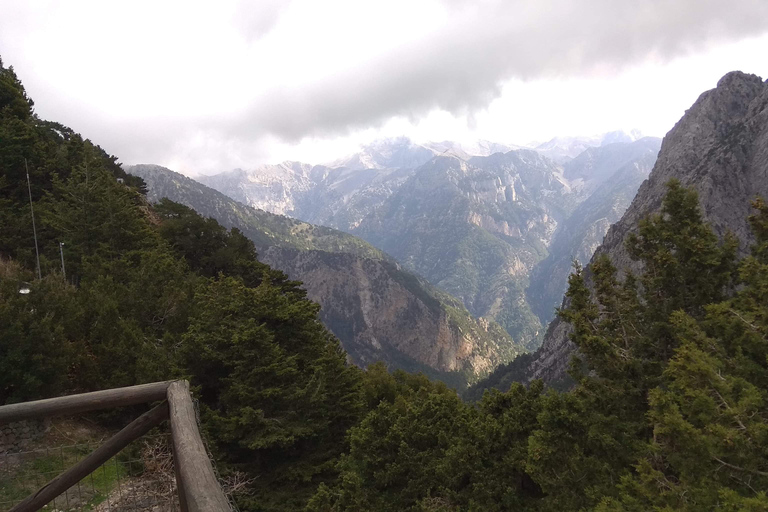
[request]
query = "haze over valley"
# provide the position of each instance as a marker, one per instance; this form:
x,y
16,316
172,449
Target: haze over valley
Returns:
x,y
414,255
475,220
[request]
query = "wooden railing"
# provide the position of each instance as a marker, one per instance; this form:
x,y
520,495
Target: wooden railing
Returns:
x,y
196,482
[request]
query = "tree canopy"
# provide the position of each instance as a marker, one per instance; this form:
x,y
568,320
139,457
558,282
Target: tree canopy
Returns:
x,y
668,409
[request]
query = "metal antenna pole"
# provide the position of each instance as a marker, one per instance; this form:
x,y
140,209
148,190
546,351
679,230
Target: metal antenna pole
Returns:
x,y
34,229
61,250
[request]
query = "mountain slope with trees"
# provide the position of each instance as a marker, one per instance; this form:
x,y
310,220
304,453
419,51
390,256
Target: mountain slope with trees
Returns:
x,y
144,300
494,226
720,148
379,311
668,411
475,230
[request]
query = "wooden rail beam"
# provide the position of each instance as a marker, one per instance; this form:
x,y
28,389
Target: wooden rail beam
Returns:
x,y
75,404
199,491
102,454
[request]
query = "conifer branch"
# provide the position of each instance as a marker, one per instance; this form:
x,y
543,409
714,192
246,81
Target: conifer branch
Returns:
x,y
743,470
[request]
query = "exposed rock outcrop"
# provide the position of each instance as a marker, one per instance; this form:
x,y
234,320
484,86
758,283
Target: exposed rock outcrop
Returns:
x,y
493,225
378,311
720,148
387,315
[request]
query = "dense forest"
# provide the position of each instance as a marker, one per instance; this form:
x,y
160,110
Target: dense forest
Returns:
x,y
667,409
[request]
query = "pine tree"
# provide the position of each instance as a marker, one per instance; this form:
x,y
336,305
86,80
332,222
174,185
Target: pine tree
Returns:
x,y
95,216
407,453
710,415
36,351
626,333
277,394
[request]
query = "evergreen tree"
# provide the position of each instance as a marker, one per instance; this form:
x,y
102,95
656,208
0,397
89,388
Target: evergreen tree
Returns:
x,y
210,249
405,454
625,330
276,391
624,334
36,354
95,216
499,447
709,448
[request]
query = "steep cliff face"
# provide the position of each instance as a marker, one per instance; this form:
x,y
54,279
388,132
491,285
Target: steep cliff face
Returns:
x,y
476,229
720,148
388,315
377,310
493,225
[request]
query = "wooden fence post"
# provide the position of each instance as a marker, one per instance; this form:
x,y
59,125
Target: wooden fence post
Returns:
x,y
199,490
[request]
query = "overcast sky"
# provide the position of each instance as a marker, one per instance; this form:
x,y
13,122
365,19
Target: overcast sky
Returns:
x,y
204,87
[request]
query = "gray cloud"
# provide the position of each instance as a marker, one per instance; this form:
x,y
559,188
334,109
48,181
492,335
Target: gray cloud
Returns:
x,y
461,67
256,20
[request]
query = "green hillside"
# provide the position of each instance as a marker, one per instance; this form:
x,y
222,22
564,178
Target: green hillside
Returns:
x,y
358,288
263,228
668,412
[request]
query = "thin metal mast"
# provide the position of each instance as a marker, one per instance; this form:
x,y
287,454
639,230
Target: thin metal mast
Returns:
x,y
61,251
34,229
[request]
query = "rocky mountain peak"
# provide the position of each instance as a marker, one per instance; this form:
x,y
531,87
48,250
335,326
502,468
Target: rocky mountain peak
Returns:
x,y
738,79
387,153
720,148
467,150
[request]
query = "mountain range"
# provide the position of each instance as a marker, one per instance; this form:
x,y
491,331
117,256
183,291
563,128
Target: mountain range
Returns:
x,y
720,149
668,410
379,311
495,225
487,231
499,227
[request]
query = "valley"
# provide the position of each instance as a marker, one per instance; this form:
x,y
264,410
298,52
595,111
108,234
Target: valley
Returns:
x,y
379,311
426,325
496,226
